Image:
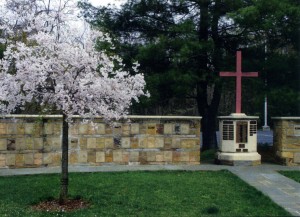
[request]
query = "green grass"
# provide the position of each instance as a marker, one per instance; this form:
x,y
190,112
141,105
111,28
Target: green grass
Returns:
x,y
295,175
179,193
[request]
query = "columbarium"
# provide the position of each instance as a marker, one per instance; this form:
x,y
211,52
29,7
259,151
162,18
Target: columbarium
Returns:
x,y
238,132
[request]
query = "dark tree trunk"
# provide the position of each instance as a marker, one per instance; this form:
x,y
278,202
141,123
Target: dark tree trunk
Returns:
x,y
208,107
64,162
209,121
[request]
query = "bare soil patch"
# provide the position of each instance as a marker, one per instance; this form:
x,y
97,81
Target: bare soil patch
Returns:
x,y
54,206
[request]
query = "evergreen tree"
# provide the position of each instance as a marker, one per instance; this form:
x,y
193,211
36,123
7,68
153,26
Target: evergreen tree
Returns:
x,y
183,45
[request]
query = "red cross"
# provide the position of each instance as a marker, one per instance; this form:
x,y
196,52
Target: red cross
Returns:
x,y
238,74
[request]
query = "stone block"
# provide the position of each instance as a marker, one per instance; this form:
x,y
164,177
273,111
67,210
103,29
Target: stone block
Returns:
x,y
2,162
56,159
20,128
150,143
29,128
176,156
48,128
160,129
11,128
184,157
20,143
159,142
100,143
91,143
11,144
125,142
126,129
143,128
168,156
74,128
10,159
82,156
2,157
185,129
188,143
108,130
167,142
159,157
73,157
19,160
109,143
125,156
151,156
117,129
100,157
135,129
194,156
91,157
54,143
151,129
3,129
175,142
143,158
297,157
134,142
100,129
117,156
287,154
57,129
134,156
83,129
83,143
92,129
47,158
168,129
38,158
109,156
3,144
73,143
38,143
28,159
29,145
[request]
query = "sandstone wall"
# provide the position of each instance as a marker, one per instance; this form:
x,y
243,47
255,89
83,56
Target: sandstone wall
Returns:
x,y
286,140
33,141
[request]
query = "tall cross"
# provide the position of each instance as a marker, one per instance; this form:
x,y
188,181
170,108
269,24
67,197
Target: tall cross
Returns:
x,y
238,74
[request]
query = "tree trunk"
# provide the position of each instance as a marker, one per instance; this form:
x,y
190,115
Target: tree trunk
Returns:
x,y
209,121
64,162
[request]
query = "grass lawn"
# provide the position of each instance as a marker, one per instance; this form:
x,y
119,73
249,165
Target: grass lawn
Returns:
x,y
295,175
178,193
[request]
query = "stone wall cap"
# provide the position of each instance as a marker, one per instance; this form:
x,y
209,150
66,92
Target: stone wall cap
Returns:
x,y
285,118
98,117
31,116
151,117
238,116
163,117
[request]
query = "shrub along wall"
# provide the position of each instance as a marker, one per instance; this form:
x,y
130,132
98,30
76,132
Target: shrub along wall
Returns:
x,y
286,139
35,141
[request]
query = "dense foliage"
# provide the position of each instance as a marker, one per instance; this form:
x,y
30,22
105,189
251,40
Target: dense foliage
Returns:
x,y
182,46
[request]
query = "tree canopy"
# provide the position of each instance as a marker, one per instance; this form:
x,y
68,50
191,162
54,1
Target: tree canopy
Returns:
x,y
182,46
49,60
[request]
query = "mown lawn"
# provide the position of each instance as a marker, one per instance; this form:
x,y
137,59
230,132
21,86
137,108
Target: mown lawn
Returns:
x,y
179,193
295,175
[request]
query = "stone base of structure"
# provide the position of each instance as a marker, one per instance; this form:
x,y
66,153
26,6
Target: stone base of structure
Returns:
x,y
238,159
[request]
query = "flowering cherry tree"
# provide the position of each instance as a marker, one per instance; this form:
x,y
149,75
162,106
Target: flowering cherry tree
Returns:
x,y
57,64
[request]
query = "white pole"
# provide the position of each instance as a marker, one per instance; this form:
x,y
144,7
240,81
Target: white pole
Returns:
x,y
266,127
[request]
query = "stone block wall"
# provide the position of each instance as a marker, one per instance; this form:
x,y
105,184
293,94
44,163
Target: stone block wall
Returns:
x,y
33,141
286,140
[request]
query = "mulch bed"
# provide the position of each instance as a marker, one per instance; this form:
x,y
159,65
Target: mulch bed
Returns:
x,y
54,206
